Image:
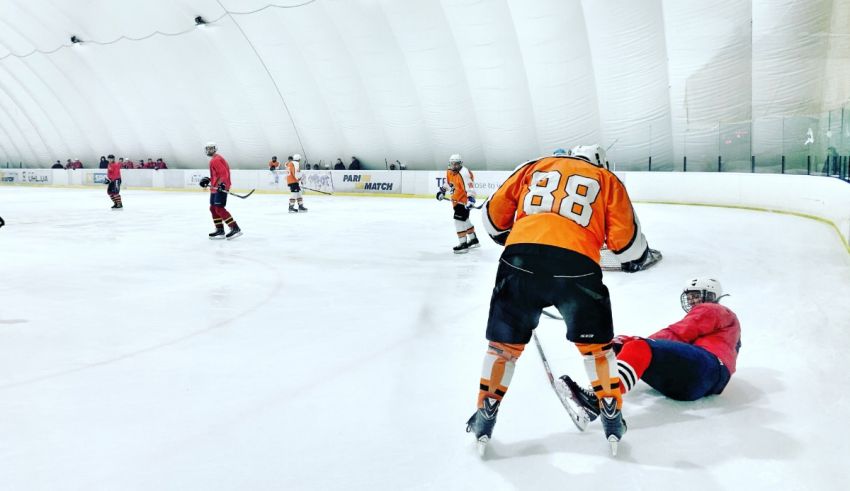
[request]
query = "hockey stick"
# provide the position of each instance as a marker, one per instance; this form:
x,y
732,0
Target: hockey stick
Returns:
x,y
552,316
317,191
578,420
473,206
243,196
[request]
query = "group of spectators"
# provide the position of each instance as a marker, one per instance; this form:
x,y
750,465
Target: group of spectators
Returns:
x,y
124,163
70,164
354,165
141,164
160,164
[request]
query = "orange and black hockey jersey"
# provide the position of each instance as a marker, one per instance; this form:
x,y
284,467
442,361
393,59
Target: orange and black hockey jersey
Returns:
x,y
565,202
293,172
461,185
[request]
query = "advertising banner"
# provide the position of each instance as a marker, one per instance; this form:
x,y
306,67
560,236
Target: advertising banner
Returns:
x,y
486,182
378,182
8,176
318,180
94,177
192,177
37,176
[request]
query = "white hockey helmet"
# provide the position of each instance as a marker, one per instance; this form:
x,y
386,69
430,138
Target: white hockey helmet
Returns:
x,y
455,161
698,290
210,148
594,154
297,157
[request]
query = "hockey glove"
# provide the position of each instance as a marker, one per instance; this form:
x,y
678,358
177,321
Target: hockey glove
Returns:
x,y
470,202
205,182
221,188
637,264
647,259
501,237
441,195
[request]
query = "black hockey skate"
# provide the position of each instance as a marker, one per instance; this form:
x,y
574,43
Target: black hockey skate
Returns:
x,y
461,248
482,422
293,209
234,232
612,422
301,208
585,399
471,244
218,234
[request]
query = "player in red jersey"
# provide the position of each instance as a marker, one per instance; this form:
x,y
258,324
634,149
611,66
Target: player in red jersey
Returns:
x,y
113,182
219,184
687,360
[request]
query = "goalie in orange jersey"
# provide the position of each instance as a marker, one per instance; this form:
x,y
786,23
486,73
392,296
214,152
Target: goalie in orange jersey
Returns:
x,y
459,182
552,215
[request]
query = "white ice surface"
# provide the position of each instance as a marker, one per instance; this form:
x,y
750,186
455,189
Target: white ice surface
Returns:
x,y
341,349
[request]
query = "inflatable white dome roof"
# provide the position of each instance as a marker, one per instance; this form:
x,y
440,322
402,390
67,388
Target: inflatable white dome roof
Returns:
x,y
498,81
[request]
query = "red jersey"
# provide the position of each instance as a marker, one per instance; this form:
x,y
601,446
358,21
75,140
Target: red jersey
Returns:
x,y
113,171
710,326
219,173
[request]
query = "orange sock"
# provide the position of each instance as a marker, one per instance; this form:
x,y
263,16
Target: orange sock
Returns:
x,y
497,370
601,366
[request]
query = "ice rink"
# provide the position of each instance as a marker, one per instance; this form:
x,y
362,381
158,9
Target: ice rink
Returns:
x,y
341,349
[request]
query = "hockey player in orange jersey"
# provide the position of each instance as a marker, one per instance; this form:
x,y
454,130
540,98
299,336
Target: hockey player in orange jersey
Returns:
x,y
553,215
459,181
293,180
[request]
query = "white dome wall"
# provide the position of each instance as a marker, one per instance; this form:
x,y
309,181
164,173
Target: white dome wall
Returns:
x,y
499,81
789,52
630,63
559,68
440,82
710,63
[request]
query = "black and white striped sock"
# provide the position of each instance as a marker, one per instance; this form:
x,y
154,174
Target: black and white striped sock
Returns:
x,y
628,377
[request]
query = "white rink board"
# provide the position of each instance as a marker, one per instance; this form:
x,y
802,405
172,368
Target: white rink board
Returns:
x,y
821,197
